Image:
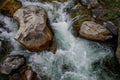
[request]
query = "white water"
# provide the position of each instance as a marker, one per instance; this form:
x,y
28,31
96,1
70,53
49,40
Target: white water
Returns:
x,y
75,54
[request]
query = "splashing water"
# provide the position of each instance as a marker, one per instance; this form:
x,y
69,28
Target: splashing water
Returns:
x,y
75,57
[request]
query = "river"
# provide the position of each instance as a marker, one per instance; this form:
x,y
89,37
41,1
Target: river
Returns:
x,y
75,58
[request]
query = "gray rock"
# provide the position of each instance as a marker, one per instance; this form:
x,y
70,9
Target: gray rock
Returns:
x,y
111,27
16,76
12,63
96,12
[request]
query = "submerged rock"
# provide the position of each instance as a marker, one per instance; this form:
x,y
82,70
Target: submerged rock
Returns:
x,y
8,7
3,26
16,76
11,64
25,73
33,32
53,48
94,31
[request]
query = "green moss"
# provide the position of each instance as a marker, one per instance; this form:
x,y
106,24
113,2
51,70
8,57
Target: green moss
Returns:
x,y
108,14
111,3
86,18
77,23
1,1
112,9
79,11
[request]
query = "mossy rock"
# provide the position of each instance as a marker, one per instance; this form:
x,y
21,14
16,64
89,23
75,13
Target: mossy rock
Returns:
x,y
8,7
108,15
110,3
111,10
79,14
77,23
79,10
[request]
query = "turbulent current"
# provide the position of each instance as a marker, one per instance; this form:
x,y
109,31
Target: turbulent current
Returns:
x,y
75,58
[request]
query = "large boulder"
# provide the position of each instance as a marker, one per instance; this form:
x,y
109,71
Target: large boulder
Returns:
x,y
94,31
8,7
14,67
33,32
11,64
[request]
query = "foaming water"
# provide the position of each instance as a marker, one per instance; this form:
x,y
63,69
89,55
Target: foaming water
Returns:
x,y
9,31
74,57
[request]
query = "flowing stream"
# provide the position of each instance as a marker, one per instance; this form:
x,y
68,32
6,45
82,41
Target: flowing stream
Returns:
x,y
75,59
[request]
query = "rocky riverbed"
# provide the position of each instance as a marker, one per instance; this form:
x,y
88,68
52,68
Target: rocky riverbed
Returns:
x,y
59,40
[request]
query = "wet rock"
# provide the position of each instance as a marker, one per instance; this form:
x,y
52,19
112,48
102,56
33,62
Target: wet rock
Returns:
x,y
33,32
62,0
1,24
93,31
15,76
8,7
90,3
29,74
24,73
79,10
67,68
77,23
111,27
11,64
96,12
45,77
53,47
52,0
79,14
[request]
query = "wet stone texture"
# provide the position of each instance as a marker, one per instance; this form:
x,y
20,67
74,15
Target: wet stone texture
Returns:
x,y
11,64
33,32
93,31
15,67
